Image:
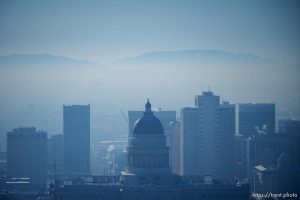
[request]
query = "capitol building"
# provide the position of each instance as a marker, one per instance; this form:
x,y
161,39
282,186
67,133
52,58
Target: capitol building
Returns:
x,y
148,174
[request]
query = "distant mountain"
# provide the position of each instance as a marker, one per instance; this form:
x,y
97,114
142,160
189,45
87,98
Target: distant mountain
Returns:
x,y
196,57
44,60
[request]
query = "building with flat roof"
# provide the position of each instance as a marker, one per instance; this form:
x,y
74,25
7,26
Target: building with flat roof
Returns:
x,y
207,137
76,131
27,158
256,118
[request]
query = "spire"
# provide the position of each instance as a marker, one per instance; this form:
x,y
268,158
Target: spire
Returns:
x,y
148,106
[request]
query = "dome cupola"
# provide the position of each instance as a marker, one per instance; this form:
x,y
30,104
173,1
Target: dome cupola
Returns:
x,y
148,123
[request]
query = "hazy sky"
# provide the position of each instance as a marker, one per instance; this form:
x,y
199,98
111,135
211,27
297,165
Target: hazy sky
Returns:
x,y
108,30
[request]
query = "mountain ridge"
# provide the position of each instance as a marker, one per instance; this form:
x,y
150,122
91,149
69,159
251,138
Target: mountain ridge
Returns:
x,y
198,57
44,59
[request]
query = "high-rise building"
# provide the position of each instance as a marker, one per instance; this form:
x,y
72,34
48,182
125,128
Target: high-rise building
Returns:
x,y
175,147
76,139
56,154
207,137
190,141
239,167
208,106
227,125
27,156
256,118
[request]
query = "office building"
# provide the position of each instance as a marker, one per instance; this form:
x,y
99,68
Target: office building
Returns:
x,y
290,127
56,154
27,157
207,137
76,129
190,141
239,167
265,149
281,178
256,118
175,147
227,128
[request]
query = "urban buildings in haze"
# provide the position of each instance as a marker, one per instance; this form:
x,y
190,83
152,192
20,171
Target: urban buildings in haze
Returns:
x,y
76,131
27,159
148,174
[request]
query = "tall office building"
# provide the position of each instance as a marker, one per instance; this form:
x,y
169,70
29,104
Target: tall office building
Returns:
x,y
208,106
239,167
190,141
56,154
175,147
227,125
256,118
27,156
77,139
207,136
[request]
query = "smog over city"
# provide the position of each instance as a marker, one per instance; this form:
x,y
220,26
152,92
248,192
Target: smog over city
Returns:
x,y
96,78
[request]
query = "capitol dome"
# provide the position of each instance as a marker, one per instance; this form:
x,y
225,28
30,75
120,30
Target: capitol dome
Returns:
x,y
148,123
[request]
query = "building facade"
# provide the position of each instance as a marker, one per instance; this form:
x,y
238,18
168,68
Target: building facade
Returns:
x,y
56,154
256,118
27,157
265,149
175,147
207,137
76,130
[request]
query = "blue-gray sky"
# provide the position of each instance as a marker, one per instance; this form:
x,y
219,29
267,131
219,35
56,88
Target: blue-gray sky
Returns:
x,y
105,31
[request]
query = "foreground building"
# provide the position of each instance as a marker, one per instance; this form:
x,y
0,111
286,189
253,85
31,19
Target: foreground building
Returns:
x,y
264,150
27,159
256,118
282,178
148,174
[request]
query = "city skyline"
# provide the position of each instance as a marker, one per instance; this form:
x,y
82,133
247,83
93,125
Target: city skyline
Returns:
x,y
205,132
139,99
